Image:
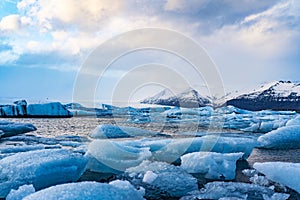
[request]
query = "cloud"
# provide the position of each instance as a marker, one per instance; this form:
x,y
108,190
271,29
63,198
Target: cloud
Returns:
x,y
10,23
56,14
249,29
257,48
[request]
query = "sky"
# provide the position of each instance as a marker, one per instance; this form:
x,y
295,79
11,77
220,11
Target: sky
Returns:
x,y
45,43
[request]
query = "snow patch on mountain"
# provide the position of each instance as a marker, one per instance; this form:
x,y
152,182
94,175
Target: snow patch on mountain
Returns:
x,y
187,98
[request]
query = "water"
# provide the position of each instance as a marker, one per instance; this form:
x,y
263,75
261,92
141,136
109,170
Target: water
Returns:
x,y
53,127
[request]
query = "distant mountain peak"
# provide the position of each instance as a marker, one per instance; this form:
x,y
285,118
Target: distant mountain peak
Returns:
x,y
187,98
278,95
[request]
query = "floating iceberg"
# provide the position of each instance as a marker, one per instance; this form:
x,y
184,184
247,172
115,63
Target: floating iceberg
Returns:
x,y
283,138
294,122
54,109
116,190
21,109
162,179
212,165
235,190
265,126
41,168
115,131
112,156
20,193
170,150
10,128
287,174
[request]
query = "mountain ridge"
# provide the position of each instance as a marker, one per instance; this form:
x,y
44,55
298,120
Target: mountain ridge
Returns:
x,y
276,95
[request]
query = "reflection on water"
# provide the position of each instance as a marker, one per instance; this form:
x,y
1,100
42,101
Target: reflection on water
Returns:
x,y
264,155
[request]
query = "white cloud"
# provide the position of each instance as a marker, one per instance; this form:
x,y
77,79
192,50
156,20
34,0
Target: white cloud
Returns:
x,y
267,34
10,23
235,33
55,14
33,46
7,57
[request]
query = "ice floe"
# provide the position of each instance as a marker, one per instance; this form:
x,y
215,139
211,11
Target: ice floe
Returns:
x,y
114,131
161,179
41,168
10,128
294,122
21,192
235,190
212,165
287,137
111,156
284,173
89,190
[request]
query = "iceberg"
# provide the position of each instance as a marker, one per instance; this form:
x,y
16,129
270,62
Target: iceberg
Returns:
x,y
41,168
294,122
235,190
212,165
287,174
112,156
287,137
88,190
172,149
10,128
161,179
21,109
115,131
21,192
54,109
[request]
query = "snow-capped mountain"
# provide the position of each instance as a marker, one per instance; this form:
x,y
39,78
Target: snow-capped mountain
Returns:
x,y
189,98
278,95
